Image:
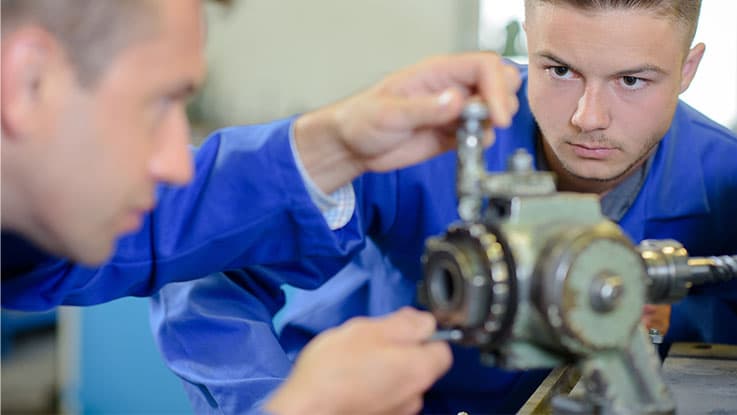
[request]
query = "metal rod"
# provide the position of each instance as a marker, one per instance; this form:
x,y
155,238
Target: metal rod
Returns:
x,y
453,335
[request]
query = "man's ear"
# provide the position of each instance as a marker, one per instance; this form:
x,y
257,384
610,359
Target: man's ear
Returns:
x,y
27,63
690,65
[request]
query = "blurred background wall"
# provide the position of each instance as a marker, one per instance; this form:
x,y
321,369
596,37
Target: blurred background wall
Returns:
x,y
270,59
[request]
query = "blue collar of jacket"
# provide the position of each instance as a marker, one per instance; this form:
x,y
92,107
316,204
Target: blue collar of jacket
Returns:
x,y
676,163
675,185
19,256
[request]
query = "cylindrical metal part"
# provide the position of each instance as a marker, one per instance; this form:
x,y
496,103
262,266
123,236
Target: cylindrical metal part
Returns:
x,y
605,292
469,283
520,162
471,169
712,269
667,270
671,273
590,287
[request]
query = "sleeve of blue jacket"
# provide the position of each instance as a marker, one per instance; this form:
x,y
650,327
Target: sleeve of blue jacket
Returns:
x,y
216,333
246,205
209,359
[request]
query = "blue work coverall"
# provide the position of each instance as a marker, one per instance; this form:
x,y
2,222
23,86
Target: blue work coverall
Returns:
x,y
220,341
246,205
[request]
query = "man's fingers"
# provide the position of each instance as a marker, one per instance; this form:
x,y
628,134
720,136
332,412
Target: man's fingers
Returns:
x,y
410,407
421,146
441,355
418,366
415,328
427,361
407,325
430,110
489,137
498,83
484,73
500,113
513,80
656,316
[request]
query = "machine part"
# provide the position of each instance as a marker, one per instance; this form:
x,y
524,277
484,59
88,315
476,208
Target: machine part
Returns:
x,y
565,405
590,288
712,269
560,381
617,381
521,179
474,184
470,283
470,169
667,263
656,337
627,380
446,335
536,278
520,162
671,273
606,292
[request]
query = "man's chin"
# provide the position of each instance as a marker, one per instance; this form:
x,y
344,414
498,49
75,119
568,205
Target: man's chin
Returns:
x,y
596,175
93,254
596,179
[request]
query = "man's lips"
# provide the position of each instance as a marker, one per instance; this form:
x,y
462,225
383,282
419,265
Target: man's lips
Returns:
x,y
592,151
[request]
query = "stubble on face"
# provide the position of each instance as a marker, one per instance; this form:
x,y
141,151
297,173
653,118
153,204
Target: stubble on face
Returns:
x,y
553,149
595,130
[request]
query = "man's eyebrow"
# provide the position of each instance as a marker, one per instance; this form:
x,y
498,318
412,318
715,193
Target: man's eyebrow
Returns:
x,y
625,72
559,61
640,69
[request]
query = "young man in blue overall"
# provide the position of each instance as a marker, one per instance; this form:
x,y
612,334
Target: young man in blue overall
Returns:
x,y
94,134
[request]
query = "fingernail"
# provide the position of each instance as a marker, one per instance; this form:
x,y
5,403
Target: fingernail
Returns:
x,y
445,97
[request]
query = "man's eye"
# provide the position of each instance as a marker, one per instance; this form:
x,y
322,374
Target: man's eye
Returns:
x,y
632,82
560,72
160,108
166,102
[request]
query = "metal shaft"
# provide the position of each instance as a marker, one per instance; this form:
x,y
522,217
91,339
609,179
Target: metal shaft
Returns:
x,y
672,273
712,269
471,168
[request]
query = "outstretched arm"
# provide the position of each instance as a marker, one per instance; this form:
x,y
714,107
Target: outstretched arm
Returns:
x,y
408,117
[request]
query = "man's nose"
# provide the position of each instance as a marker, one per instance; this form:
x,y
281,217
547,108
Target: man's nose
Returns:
x,y
592,112
172,160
